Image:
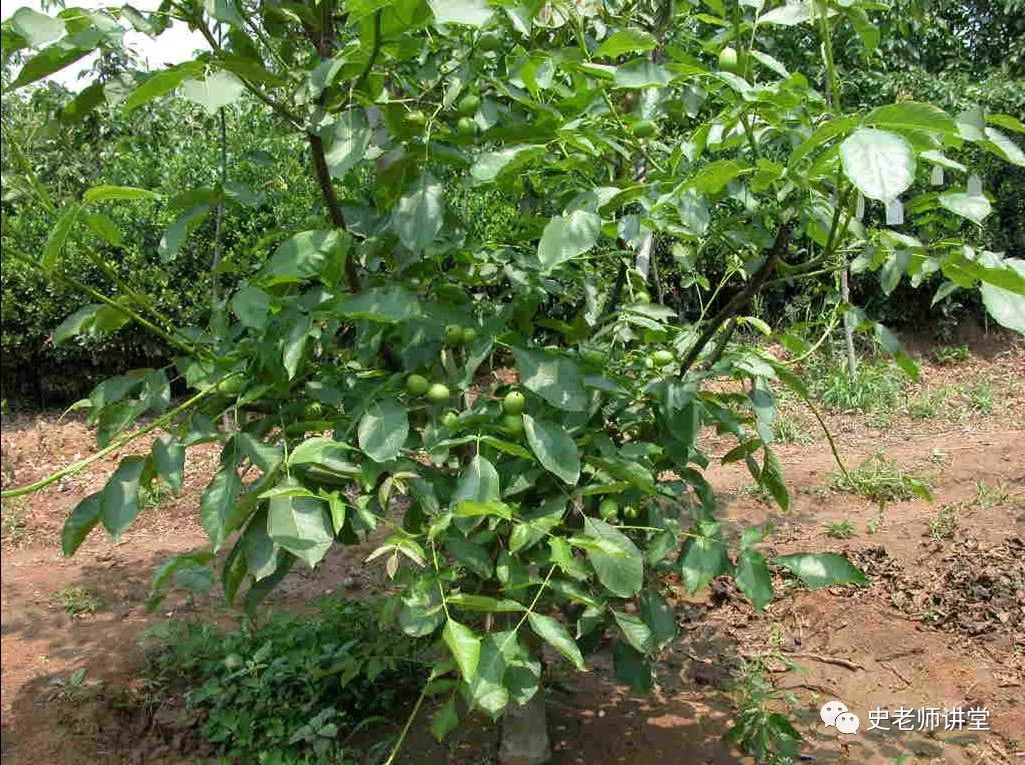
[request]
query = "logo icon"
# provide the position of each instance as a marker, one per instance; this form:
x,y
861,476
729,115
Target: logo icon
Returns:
x,y
836,715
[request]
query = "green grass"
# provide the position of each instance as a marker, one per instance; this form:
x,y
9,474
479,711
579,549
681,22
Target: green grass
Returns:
x,y
156,495
944,524
951,354
13,527
931,403
79,600
877,386
881,479
789,431
982,397
840,529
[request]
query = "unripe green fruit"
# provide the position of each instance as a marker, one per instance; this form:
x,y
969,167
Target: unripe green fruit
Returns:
x,y
644,128
662,358
630,512
513,423
468,105
466,126
453,334
438,393
608,509
417,385
642,297
728,59
469,335
416,117
450,420
648,362
514,403
313,410
232,386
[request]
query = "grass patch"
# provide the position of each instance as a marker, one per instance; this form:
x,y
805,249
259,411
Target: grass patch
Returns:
x,y
840,529
883,480
931,403
293,689
950,354
155,495
944,525
876,386
789,431
982,397
13,528
79,600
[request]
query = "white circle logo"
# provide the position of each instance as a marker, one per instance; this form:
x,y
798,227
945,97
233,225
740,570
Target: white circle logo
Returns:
x,y
830,710
847,722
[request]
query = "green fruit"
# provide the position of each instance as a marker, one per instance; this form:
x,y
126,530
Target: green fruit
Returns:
x,y
438,393
728,59
514,403
416,117
649,363
469,335
232,386
450,420
608,509
468,105
453,335
630,512
489,41
644,128
662,358
417,385
513,423
592,356
313,410
642,297
466,126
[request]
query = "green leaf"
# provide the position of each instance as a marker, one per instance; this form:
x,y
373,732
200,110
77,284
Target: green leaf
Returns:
x,y
48,61
464,645
59,236
119,500
169,461
913,116
445,720
294,344
554,378
772,479
418,216
109,193
1003,146
641,73
261,553
37,28
487,690
347,142
974,207
75,324
659,618
485,603
880,164
302,526
704,557
478,482
622,571
821,569
567,237
631,667
217,502
161,83
753,578
789,14
471,13
493,165
1005,306
217,90
636,632
554,448
471,555
629,40
713,177
307,255
383,429
104,228
176,233
555,634
388,305
252,307
80,522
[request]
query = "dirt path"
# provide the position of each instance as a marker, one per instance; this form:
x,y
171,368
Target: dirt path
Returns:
x,y
940,626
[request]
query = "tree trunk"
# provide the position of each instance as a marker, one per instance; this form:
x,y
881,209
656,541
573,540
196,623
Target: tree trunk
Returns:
x,y
525,733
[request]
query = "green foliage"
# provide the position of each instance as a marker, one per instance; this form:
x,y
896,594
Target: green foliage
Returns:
x,y
759,728
79,601
882,479
293,689
842,529
876,386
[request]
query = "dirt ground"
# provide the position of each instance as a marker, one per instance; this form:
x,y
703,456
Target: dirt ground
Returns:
x,y
942,623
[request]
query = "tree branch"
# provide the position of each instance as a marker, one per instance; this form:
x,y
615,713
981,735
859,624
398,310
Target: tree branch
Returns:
x,y
334,209
741,298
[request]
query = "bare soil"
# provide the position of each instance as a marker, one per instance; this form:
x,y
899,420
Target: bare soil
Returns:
x,y
940,625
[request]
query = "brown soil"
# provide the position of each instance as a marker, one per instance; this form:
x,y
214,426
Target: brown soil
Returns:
x,y
940,625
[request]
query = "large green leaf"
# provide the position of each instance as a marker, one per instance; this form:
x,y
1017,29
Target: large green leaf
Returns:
x,y
554,448
388,305
641,73
618,563
169,461
636,632
879,163
753,578
493,165
472,13
912,116
37,28
631,667
80,522
628,40
704,557
1002,145
487,689
556,635
48,61
465,647
1007,307
307,255
478,482
252,306
974,207
301,525
821,569
119,500
567,237
659,617
217,502
554,378
445,719
260,551
215,91
383,429
347,142
161,83
418,216
59,236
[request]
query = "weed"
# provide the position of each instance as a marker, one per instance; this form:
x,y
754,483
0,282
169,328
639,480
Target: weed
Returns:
x,y
944,524
790,431
757,492
79,600
293,689
767,736
875,387
74,687
875,523
840,529
951,354
990,495
982,397
930,403
881,479
152,497
13,528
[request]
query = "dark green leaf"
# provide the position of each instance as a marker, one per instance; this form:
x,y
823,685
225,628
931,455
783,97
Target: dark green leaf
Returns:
x,y
821,569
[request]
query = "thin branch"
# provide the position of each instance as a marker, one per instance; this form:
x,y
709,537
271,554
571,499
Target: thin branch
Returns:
x,y
334,209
